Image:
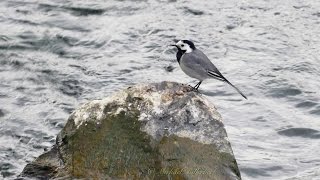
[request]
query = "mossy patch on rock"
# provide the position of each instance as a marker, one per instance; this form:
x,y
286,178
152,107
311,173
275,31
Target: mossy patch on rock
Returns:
x,y
112,147
192,159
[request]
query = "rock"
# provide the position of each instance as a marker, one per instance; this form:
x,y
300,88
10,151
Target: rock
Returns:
x,y
155,131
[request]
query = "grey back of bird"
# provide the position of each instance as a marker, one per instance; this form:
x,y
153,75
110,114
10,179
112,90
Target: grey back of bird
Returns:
x,y
196,64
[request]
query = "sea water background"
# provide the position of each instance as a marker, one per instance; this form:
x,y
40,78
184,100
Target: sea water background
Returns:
x,y
57,55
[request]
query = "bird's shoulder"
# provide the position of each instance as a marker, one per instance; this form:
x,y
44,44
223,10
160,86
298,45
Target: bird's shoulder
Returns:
x,y
196,56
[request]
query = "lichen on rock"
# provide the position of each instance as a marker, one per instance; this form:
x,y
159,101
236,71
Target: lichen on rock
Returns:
x,y
153,131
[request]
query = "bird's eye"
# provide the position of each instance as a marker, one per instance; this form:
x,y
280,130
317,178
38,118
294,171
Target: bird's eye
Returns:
x,y
182,45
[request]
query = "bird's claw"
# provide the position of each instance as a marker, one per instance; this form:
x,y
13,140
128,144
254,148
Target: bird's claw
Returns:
x,y
193,89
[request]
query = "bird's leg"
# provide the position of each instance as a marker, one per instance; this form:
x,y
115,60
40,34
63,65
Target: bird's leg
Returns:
x,y
197,85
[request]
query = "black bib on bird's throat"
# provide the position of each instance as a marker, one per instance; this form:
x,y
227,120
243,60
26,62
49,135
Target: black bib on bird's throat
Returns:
x,y
179,54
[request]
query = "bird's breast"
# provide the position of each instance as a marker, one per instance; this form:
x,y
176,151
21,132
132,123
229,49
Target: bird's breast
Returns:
x,y
193,72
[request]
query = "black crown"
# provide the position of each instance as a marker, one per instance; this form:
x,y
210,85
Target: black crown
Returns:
x,y
190,43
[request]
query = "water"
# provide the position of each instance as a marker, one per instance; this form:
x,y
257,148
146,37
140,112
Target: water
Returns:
x,y
56,55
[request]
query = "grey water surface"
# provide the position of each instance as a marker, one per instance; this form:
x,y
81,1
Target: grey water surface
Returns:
x,y
58,54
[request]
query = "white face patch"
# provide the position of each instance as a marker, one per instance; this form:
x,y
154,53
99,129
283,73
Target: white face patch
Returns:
x,y
184,46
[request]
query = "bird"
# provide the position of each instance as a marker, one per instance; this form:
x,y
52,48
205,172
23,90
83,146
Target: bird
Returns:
x,y
196,64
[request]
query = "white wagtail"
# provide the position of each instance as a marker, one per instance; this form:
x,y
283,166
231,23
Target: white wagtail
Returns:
x,y
197,65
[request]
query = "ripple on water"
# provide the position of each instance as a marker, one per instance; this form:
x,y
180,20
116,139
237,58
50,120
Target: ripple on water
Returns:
x,y
71,87
300,132
24,12
256,172
76,11
259,8
55,44
282,92
24,100
2,113
169,68
316,14
260,119
57,122
315,111
68,108
194,12
306,104
23,138
23,21
89,10
11,59
5,168
35,133
16,47
301,67
81,11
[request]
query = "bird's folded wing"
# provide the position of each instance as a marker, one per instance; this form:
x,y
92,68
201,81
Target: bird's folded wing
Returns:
x,y
200,63
216,75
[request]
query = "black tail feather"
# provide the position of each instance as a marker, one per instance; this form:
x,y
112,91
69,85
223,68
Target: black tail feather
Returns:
x,y
220,77
236,89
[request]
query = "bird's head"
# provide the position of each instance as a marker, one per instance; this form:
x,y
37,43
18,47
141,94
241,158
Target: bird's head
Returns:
x,y
185,45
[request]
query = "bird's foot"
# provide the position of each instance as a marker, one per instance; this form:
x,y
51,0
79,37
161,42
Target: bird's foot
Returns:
x,y
190,88
194,89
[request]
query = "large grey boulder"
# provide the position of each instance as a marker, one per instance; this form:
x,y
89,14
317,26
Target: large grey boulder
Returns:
x,y
153,131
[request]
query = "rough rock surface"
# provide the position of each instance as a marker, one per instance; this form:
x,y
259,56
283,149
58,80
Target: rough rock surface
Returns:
x,y
154,131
